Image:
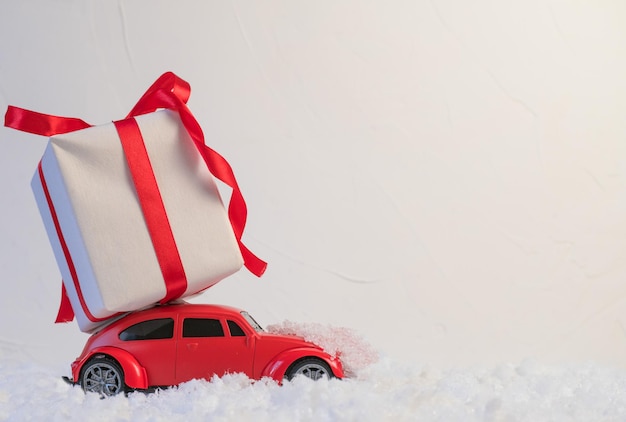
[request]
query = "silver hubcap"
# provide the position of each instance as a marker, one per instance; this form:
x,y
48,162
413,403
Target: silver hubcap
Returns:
x,y
102,378
313,371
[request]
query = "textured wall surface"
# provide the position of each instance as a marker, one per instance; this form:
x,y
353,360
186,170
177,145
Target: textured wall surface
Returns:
x,y
448,179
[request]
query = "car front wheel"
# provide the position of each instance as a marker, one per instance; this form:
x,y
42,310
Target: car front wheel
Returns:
x,y
103,376
312,368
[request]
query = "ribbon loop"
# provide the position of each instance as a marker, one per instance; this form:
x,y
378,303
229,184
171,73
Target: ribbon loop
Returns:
x,y
168,83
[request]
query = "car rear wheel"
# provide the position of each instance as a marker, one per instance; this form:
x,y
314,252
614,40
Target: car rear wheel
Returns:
x,y
312,368
103,376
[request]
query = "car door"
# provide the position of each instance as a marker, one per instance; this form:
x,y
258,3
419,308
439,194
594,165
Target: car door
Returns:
x,y
211,346
152,343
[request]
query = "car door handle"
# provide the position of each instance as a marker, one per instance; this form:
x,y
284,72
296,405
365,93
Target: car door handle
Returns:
x,y
192,347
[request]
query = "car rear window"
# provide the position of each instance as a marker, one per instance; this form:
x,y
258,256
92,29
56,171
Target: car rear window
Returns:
x,y
153,329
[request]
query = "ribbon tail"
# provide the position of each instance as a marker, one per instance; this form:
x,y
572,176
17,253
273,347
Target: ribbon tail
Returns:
x,y
237,209
253,263
41,124
66,313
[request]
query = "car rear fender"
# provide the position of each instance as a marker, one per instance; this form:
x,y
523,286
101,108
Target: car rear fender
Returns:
x,y
278,366
135,375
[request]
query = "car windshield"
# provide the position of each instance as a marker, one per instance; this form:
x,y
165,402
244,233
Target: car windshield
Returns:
x,y
251,321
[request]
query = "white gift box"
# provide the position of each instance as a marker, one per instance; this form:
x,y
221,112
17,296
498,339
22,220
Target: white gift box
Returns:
x,y
96,227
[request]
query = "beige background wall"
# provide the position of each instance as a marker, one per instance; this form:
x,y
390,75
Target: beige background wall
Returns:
x,y
446,178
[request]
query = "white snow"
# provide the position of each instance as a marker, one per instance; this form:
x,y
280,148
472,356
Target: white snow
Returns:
x,y
380,389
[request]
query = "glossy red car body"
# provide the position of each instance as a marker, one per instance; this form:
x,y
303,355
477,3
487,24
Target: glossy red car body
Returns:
x,y
170,344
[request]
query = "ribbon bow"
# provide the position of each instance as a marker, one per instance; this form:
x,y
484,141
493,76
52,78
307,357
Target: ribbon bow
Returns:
x,y
167,92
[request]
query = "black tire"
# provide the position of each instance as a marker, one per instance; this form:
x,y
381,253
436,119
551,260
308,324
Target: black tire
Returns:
x,y
103,376
313,368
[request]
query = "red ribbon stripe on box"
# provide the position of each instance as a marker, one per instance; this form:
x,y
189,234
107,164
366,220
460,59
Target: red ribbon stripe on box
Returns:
x,y
153,208
168,92
66,313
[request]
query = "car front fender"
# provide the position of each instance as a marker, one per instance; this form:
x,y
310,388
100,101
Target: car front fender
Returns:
x,y
278,366
135,375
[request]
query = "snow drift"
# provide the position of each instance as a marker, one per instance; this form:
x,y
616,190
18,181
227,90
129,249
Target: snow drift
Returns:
x,y
378,390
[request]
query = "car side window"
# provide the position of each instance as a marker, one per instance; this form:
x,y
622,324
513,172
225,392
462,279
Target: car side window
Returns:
x,y
153,329
235,330
202,327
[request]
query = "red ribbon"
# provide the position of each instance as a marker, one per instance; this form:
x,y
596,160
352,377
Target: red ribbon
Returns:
x,y
41,124
169,92
66,313
153,208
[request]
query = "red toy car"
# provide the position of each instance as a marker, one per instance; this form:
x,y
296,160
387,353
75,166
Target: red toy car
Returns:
x,y
170,344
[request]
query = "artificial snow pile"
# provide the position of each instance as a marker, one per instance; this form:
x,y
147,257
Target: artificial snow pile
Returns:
x,y
354,351
379,390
